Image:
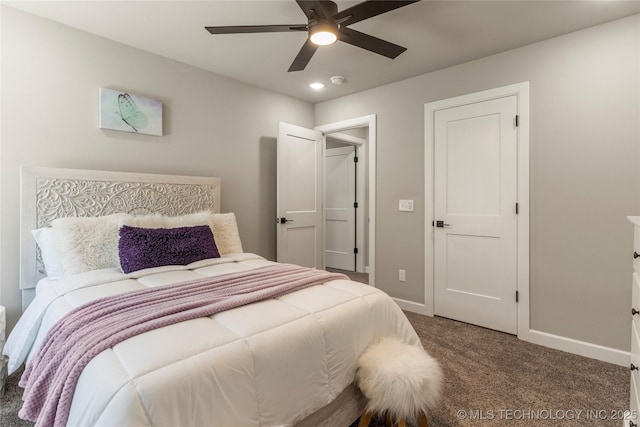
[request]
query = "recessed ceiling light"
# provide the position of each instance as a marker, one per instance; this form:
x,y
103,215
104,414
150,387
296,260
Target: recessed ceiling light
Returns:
x,y
316,85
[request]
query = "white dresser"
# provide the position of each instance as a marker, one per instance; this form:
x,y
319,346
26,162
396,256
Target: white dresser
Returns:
x,y
635,326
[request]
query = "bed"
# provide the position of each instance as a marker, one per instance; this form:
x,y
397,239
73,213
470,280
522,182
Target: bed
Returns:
x,y
283,361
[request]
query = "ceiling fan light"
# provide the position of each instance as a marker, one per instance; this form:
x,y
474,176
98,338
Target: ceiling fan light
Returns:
x,y
323,34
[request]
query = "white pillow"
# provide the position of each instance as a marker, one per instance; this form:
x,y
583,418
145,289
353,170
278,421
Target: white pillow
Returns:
x,y
164,221
224,226
225,233
88,243
45,238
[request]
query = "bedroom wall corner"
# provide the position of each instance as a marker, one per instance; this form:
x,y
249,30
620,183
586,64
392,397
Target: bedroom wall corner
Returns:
x,y
213,126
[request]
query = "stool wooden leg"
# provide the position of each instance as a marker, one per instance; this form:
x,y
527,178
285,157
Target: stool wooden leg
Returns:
x,y
422,420
402,423
387,420
365,419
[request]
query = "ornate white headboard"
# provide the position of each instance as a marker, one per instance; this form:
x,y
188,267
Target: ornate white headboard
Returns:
x,y
50,193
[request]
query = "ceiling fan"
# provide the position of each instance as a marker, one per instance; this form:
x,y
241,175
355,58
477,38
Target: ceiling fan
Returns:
x,y
326,26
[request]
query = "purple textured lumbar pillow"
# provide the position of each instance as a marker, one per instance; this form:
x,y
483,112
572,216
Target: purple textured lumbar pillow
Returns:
x,y
154,247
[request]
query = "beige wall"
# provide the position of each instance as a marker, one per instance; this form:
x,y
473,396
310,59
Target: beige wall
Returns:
x,y
585,173
213,126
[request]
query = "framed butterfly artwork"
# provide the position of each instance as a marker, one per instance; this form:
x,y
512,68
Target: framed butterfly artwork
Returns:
x,y
127,112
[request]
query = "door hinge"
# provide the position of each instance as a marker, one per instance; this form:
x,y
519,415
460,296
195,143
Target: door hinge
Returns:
x,y
355,205
517,208
355,159
517,120
355,250
517,296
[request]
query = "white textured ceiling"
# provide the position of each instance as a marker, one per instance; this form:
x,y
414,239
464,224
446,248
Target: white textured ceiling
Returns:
x,y
438,34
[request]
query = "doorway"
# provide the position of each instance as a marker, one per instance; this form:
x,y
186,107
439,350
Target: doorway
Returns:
x,y
476,250
300,193
359,133
345,201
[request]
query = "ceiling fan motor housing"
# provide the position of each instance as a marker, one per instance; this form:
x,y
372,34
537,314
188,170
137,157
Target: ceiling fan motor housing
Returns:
x,y
323,32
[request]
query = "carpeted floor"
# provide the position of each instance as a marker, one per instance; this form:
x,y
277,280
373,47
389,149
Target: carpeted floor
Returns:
x,y
10,403
494,379
491,379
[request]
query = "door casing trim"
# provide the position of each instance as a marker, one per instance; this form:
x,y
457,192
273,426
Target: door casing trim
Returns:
x,y
521,91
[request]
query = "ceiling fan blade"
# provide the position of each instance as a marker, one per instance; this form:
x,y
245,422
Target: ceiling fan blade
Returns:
x,y
369,9
373,44
323,8
236,29
304,56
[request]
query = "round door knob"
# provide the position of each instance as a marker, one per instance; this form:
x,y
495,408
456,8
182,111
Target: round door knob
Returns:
x,y
635,255
634,311
634,367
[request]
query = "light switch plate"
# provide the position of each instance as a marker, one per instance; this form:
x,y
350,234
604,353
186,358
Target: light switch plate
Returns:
x,y
405,206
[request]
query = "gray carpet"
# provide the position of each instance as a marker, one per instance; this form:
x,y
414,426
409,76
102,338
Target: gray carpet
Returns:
x,y
514,382
493,378
10,403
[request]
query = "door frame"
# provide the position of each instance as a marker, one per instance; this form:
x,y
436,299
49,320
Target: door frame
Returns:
x,y
361,146
521,91
370,147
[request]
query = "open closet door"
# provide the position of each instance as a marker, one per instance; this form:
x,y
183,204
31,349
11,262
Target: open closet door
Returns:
x,y
299,196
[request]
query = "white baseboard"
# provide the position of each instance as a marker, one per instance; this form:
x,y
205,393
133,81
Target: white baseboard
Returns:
x,y
411,306
581,348
570,345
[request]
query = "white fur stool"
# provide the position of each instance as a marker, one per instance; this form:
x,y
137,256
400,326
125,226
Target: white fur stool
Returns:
x,y
399,380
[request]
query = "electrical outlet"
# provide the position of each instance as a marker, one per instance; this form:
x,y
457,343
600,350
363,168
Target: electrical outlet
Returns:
x,y
405,206
402,275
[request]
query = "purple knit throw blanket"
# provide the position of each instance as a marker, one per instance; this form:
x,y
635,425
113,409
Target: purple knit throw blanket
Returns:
x,y
51,377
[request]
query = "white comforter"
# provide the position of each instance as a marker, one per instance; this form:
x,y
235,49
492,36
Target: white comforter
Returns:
x,y
271,363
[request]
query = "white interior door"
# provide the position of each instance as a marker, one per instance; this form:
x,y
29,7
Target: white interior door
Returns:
x,y
340,213
475,194
299,196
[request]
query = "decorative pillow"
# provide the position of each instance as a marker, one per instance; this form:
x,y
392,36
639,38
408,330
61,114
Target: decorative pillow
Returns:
x,y
142,248
225,229
45,238
87,243
224,226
